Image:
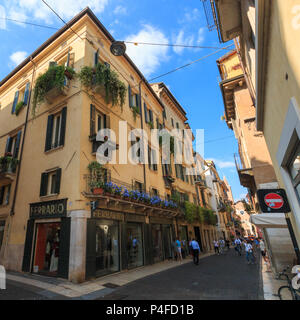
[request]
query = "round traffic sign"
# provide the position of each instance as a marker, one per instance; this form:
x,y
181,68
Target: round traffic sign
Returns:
x,y
273,200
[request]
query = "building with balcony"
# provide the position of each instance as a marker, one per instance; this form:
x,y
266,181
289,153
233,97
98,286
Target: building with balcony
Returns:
x,y
61,212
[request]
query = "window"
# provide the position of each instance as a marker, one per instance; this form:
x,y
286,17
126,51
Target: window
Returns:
x,y
50,183
56,127
148,114
4,195
21,95
67,60
151,159
154,192
2,227
138,186
133,98
294,170
13,145
172,121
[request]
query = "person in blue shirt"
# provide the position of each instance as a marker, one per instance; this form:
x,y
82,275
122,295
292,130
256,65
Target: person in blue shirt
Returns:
x,y
178,246
196,250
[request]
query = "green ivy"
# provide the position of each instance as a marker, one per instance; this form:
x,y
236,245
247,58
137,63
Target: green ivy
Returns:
x,y
191,211
101,75
54,77
135,111
19,106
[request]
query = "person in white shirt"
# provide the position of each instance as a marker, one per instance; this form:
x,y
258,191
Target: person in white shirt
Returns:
x,y
238,247
216,246
249,252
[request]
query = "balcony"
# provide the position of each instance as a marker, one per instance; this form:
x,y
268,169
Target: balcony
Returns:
x,y
200,182
8,167
129,198
245,174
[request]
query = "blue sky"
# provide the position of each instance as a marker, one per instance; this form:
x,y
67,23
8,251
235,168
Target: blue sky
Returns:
x,y
158,21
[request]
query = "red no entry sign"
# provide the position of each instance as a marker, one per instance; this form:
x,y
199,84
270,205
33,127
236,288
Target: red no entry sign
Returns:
x,y
273,200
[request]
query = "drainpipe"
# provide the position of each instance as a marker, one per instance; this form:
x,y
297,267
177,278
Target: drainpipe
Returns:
x,y
12,210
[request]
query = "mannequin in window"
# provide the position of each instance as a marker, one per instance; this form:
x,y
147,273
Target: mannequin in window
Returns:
x,y
55,254
48,254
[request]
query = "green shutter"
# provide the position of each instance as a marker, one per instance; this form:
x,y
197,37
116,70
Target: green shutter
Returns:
x,y
8,144
146,113
58,181
92,120
129,96
96,57
63,126
44,184
150,116
90,261
49,132
15,102
26,93
64,248
28,246
17,145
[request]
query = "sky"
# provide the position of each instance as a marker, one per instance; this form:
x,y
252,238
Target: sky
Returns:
x,y
157,21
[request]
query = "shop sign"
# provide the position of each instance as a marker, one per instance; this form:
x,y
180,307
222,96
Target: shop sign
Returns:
x,y
48,209
273,200
160,220
107,214
135,218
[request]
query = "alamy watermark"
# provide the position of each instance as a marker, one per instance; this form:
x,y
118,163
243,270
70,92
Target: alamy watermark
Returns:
x,y
2,278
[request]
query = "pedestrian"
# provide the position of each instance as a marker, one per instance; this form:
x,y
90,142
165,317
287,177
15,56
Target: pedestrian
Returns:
x,y
238,248
196,251
227,242
178,246
249,252
222,245
175,251
216,246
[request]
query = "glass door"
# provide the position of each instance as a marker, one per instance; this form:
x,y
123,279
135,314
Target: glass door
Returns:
x,y
47,248
107,247
134,245
157,242
167,236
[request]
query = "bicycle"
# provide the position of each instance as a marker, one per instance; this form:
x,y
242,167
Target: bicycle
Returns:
x,y
287,291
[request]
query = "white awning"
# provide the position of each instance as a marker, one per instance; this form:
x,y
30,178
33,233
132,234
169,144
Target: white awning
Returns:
x,y
269,220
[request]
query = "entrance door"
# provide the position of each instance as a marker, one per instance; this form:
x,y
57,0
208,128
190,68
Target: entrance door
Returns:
x,y
157,242
198,237
134,245
47,248
167,237
107,247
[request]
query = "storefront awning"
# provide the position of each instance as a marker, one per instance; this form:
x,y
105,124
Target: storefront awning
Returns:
x,y
269,220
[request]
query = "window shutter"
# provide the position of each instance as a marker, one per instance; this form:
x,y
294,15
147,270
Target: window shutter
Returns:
x,y
92,120
26,93
64,248
44,184
136,96
63,126
8,145
2,190
17,146
28,246
149,158
150,116
68,59
49,132
106,120
96,57
146,113
164,114
15,102
129,96
157,123
90,266
58,179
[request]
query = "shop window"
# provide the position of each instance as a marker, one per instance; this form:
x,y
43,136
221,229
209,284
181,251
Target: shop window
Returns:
x,y
50,183
2,227
294,170
5,195
56,127
134,245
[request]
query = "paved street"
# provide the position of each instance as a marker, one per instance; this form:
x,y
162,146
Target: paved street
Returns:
x,y
227,276
216,277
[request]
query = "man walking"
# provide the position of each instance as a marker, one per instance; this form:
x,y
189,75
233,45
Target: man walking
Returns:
x,y
238,243
196,250
216,246
249,252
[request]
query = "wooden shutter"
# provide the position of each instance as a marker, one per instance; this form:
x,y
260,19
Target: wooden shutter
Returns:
x,y
92,120
8,144
2,191
64,248
26,93
15,102
58,180
44,184
146,112
90,261
63,126
96,57
17,145
28,246
129,96
49,132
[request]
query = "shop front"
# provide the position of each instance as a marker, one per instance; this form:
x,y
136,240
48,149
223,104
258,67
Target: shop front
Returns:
x,y
47,243
183,235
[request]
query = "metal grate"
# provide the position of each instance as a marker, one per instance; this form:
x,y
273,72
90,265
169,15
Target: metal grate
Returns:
x,y
211,16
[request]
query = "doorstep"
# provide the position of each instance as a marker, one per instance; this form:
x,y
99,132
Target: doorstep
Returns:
x,y
95,288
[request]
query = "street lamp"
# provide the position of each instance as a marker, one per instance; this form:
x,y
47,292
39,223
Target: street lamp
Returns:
x,y
118,48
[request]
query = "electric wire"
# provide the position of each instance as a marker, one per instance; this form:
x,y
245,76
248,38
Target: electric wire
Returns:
x,y
30,23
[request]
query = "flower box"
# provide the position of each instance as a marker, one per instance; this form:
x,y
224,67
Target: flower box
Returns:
x,y
53,93
98,191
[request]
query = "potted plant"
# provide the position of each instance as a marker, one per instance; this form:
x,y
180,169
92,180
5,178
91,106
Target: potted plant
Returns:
x,y
97,187
69,73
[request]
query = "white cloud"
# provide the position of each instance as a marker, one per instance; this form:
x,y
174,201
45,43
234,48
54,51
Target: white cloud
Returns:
x,y
201,37
17,57
190,16
120,10
2,17
36,9
224,164
148,58
184,40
